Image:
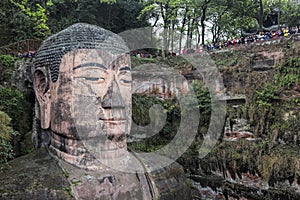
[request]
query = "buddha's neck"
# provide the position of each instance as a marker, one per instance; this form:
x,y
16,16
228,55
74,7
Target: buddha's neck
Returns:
x,y
74,152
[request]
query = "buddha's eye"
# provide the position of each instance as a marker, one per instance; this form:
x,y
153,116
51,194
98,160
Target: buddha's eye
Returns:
x,y
92,79
125,75
95,79
125,78
125,81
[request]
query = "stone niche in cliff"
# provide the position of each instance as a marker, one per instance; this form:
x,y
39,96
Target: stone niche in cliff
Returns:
x,y
236,127
163,82
22,76
266,60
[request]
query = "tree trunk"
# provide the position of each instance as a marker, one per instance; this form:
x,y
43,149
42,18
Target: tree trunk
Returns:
x,y
203,16
191,32
213,33
278,15
188,31
261,15
169,37
165,31
182,28
164,47
152,27
172,36
198,37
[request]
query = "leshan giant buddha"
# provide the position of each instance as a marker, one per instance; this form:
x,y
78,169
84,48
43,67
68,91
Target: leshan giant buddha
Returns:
x,y
82,82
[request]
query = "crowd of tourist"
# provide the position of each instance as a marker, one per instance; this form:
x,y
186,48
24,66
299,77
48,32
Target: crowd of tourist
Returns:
x,y
259,37
27,54
245,40
225,44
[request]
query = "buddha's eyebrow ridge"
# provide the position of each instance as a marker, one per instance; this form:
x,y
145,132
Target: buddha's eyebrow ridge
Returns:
x,y
125,69
90,65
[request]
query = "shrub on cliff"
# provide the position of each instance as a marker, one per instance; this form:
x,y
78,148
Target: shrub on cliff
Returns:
x,y
6,67
267,95
6,133
13,103
19,109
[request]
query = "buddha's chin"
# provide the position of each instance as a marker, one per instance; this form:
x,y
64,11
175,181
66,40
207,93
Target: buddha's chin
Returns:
x,y
110,136
115,130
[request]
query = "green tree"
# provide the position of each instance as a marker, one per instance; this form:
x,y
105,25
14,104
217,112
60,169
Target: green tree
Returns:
x,y
288,11
37,13
203,5
6,133
167,11
14,24
268,95
13,102
228,17
116,16
19,107
6,68
24,19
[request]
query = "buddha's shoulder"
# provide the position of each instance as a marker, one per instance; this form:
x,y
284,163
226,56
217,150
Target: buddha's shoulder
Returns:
x,y
34,176
171,182
168,177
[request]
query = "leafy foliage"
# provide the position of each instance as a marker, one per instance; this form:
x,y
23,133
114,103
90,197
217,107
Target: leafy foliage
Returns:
x,y
140,115
288,74
228,17
288,10
202,97
13,102
6,133
267,95
6,67
19,108
24,19
7,61
37,14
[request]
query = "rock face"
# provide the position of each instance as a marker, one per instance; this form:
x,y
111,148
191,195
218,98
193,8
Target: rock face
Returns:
x,y
159,81
244,168
258,156
34,176
41,176
82,82
22,76
111,184
171,183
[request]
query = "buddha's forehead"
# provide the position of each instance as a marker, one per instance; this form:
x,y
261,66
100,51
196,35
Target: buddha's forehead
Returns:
x,y
84,56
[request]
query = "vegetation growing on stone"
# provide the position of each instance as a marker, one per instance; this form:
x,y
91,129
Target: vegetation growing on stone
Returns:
x,y
18,106
7,63
272,109
6,134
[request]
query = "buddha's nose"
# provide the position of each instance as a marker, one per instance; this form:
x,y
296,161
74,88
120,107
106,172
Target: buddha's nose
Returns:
x,y
113,98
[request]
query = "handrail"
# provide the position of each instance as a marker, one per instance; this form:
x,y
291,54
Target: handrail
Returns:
x,y
21,46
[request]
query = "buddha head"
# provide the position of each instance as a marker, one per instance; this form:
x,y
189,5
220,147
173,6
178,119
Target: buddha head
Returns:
x,y
82,82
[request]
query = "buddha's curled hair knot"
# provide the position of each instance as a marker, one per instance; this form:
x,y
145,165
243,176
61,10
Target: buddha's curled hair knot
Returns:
x,y
77,36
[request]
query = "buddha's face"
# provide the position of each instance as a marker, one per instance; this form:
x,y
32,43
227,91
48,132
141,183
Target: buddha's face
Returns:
x,y
91,99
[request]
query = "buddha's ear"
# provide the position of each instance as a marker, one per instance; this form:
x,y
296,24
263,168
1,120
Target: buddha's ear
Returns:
x,y
42,93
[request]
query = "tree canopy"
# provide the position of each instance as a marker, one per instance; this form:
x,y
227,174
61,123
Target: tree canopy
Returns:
x,y
37,19
181,20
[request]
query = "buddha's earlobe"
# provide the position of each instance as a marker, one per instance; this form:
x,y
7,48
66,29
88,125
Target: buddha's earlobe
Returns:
x,y
42,93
